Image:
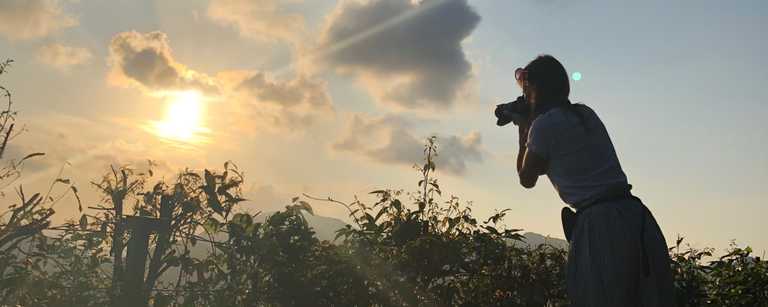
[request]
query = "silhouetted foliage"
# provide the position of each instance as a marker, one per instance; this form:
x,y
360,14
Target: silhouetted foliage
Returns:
x,y
736,278
24,220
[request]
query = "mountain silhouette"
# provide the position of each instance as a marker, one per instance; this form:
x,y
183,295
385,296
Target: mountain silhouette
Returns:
x,y
325,229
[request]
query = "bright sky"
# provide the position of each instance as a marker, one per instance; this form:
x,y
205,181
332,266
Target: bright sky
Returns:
x,y
333,98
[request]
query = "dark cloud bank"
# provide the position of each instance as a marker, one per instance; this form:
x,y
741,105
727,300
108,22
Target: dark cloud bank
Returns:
x,y
416,44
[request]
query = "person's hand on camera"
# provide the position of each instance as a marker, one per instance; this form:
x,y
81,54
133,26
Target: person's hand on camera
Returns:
x,y
515,112
503,116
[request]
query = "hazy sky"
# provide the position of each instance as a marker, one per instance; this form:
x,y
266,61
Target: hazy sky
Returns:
x,y
334,98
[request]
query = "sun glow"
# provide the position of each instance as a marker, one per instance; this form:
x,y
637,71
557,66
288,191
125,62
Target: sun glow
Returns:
x,y
183,118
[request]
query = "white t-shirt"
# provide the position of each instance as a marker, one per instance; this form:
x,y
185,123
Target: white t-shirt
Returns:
x,y
582,163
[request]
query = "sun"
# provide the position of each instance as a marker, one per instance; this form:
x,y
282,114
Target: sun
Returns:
x,y
183,118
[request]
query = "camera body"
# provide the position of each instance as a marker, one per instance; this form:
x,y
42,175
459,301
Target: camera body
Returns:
x,y
516,111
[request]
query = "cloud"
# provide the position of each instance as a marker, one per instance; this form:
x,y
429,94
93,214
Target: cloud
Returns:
x,y
254,100
56,136
387,139
258,19
408,54
29,19
76,140
84,149
145,60
63,57
274,104
300,90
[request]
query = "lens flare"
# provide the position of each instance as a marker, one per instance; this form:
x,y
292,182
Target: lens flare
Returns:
x,y
576,76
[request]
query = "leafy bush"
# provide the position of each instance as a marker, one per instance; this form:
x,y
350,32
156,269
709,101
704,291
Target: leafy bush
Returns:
x,y
734,279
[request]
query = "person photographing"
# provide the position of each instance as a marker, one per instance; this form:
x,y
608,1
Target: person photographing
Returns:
x,y
617,253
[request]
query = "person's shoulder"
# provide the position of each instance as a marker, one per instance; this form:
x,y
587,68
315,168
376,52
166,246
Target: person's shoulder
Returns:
x,y
563,118
550,117
585,108
591,117
589,112
551,120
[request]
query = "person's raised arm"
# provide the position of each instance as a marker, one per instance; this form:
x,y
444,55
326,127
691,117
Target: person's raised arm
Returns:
x,y
532,160
532,166
522,140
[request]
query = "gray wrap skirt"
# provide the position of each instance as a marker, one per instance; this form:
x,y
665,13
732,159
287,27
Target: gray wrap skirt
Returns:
x,y
618,257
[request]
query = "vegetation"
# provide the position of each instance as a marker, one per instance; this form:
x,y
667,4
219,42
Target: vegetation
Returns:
x,y
405,249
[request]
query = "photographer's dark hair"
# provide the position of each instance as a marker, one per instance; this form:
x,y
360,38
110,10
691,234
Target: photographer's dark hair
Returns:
x,y
550,78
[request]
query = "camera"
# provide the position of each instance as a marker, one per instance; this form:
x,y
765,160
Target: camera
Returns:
x,y
515,111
